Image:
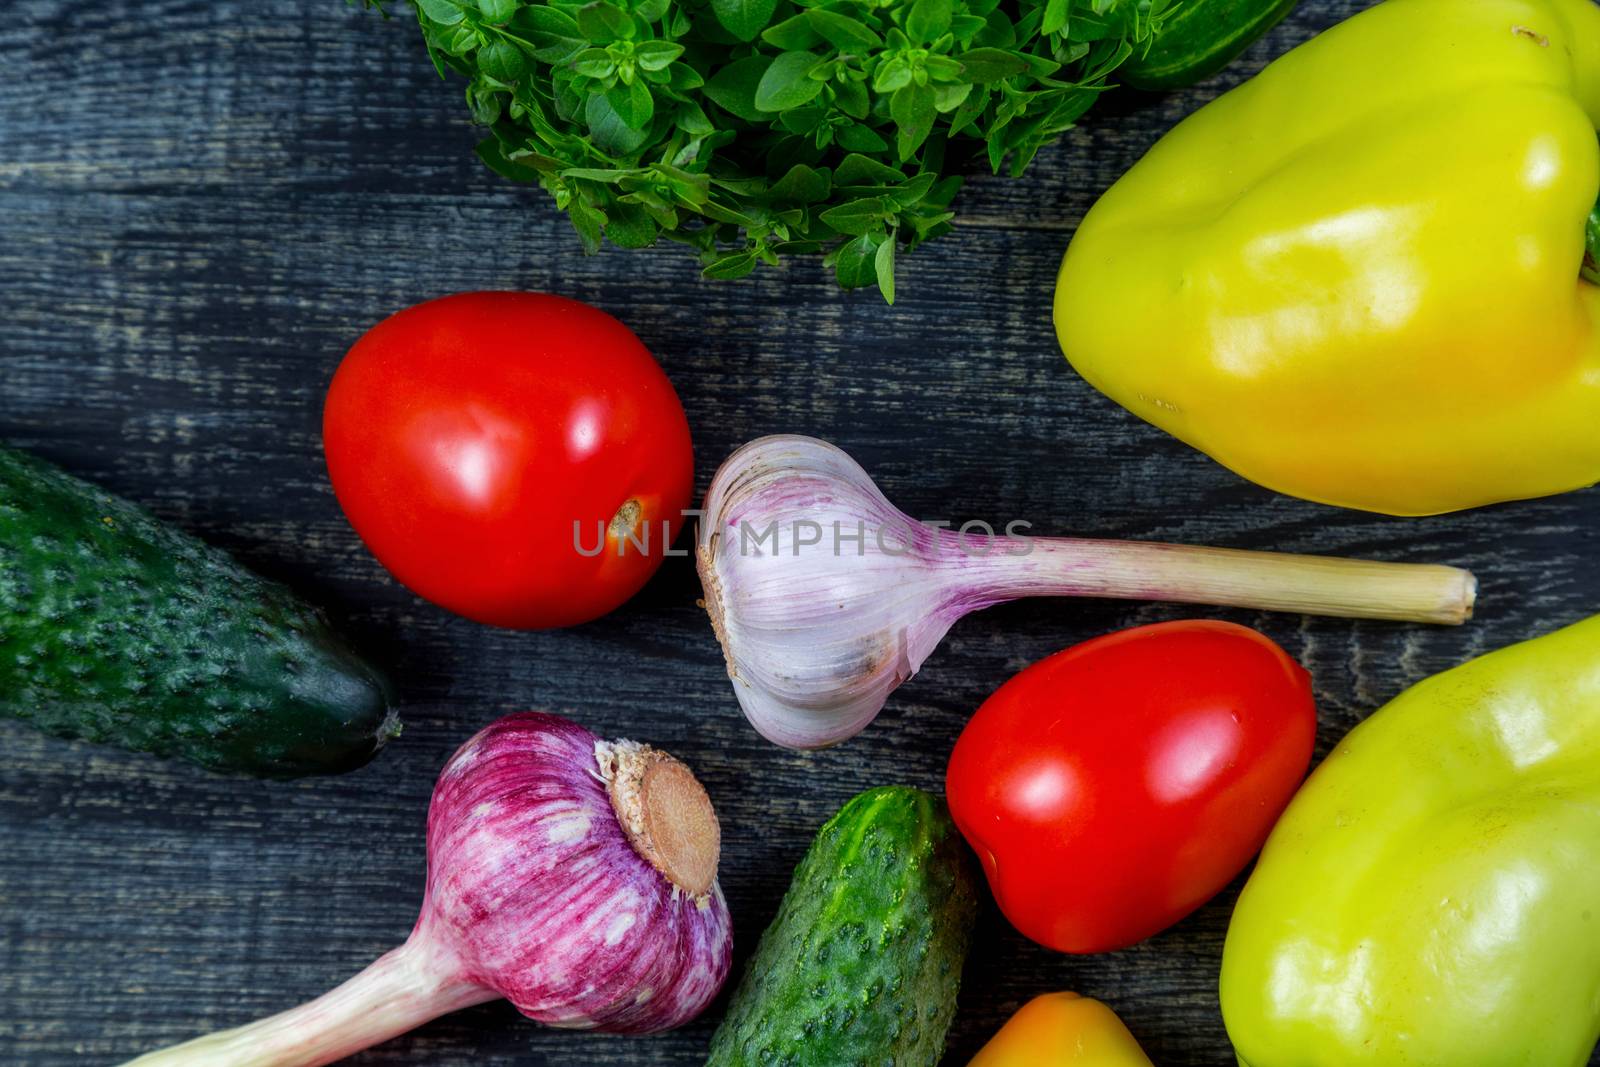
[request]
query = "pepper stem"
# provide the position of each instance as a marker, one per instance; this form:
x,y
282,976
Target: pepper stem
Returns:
x,y
398,992
1591,255
1267,581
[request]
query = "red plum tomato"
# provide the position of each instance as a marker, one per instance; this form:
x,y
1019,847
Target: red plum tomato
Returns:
x,y
1113,788
518,458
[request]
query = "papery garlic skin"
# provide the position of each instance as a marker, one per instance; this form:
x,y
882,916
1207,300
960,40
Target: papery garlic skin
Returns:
x,y
534,884
826,597
816,635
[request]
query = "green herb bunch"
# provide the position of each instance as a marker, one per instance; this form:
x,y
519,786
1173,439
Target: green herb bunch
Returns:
x,y
752,129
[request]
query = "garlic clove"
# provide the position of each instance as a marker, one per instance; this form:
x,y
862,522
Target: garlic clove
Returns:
x,y
818,588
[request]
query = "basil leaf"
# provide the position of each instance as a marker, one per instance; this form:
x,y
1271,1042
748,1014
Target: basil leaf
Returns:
x,y
603,23
752,130
995,145
442,12
807,121
1055,16
788,83
912,109
965,25
1039,66
792,34
883,268
998,33
553,32
656,55
801,185
859,138
463,39
595,174
985,65
633,104
946,98
587,221
909,192
857,216
607,128
593,63
683,77
928,226
851,97
929,20
734,87
731,266
713,210
691,119
855,265
502,61
857,169
744,18
630,226
542,19
892,75
842,31
493,155
691,189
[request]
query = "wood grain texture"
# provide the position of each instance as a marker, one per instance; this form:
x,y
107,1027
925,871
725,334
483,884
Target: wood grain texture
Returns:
x,y
204,202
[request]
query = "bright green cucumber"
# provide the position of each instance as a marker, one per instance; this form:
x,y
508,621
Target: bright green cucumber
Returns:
x,y
1199,38
118,629
863,962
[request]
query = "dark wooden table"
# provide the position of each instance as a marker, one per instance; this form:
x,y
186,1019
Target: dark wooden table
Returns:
x,y
204,202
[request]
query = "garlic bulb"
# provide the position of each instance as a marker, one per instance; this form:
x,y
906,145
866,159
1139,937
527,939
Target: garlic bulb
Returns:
x,y
825,597
576,878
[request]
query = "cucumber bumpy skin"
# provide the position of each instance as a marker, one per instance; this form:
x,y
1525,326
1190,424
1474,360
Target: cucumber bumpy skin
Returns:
x,y
116,628
863,962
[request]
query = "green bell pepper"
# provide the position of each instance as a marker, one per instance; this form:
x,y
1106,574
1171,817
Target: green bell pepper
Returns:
x,y
1431,897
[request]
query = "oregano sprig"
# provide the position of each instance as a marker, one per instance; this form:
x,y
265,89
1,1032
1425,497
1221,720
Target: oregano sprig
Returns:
x,y
754,129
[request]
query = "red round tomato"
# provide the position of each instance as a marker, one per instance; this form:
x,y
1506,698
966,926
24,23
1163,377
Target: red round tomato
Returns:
x,y
518,458
1113,788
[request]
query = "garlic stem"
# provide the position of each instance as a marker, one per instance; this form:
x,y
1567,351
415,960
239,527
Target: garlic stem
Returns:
x,y
818,630
1268,581
398,992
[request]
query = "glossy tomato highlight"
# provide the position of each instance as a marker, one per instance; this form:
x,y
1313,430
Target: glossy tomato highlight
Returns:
x,y
1113,788
518,458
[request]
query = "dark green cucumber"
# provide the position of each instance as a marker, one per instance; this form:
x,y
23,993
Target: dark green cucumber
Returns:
x,y
863,962
118,629
1591,244
1199,38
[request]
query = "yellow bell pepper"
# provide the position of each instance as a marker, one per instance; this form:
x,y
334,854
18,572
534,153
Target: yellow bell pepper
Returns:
x,y
1360,277
1431,897
1059,1029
